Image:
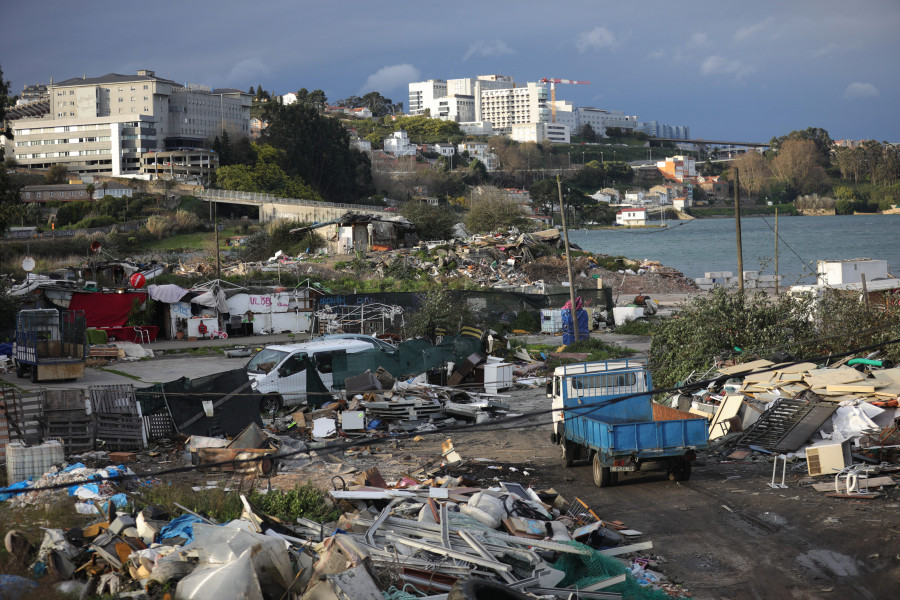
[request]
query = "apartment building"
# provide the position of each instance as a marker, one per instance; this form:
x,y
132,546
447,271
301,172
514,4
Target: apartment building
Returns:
x,y
680,168
102,125
506,107
661,130
540,132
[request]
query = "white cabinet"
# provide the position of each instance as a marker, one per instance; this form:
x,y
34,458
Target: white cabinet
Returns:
x,y
497,377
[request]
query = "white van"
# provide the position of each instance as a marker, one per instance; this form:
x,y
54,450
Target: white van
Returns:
x,y
278,371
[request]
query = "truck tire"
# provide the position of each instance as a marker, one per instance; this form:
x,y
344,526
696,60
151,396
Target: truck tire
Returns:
x,y
569,453
681,471
20,372
270,403
602,475
34,378
484,589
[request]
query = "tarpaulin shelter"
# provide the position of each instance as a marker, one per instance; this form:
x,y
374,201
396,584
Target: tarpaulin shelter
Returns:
x,y
232,403
106,310
412,357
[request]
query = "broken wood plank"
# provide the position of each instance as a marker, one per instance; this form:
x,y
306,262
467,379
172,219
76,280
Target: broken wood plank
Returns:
x,y
626,549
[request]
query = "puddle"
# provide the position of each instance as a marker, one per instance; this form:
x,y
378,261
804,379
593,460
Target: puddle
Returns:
x,y
829,562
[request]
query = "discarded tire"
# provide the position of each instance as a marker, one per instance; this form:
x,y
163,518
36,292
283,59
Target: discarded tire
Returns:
x,y
483,589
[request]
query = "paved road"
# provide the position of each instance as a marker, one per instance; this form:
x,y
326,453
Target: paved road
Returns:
x,y
140,373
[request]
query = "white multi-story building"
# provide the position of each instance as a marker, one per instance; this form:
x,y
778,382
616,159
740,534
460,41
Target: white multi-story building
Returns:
x,y
398,144
511,106
102,125
661,130
424,94
540,132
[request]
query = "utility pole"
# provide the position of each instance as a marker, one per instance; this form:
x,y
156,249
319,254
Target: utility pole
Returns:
x,y
737,228
216,227
562,214
776,251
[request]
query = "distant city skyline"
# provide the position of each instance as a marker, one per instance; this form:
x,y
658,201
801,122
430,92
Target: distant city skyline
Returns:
x,y
734,72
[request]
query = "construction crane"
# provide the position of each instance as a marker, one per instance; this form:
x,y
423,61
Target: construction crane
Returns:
x,y
553,81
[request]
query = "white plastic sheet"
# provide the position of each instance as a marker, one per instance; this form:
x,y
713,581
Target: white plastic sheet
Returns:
x,y
236,579
224,545
852,419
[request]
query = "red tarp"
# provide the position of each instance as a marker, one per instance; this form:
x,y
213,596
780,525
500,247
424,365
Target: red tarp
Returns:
x,y
106,310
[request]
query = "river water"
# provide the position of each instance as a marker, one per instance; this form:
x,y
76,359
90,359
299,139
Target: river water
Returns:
x,y
703,245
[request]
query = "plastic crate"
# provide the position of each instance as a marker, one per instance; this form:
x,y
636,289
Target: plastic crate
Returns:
x,y
27,462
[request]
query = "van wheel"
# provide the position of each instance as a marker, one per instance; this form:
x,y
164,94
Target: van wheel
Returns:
x,y
602,475
569,453
271,403
681,471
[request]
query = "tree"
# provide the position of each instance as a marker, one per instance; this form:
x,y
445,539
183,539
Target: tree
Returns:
x,y
797,165
714,324
56,174
265,175
317,149
818,136
431,222
754,172
587,133
251,91
491,210
89,189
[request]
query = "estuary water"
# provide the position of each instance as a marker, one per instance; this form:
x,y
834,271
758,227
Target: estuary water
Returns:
x,y
704,245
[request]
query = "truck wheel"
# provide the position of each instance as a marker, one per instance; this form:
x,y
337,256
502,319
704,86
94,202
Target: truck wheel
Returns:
x,y
681,471
569,453
270,403
34,378
602,475
20,372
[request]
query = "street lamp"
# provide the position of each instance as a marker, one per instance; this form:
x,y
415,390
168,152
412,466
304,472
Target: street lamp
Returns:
x,y
601,158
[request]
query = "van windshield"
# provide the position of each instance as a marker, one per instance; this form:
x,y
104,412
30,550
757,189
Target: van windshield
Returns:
x,y
265,360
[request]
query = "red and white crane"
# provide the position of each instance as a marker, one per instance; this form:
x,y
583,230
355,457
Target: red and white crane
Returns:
x,y
553,81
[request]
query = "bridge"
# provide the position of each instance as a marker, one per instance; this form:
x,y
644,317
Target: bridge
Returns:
x,y
701,142
296,209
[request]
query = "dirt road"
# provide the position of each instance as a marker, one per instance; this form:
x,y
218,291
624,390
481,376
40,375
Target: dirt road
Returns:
x,y
725,533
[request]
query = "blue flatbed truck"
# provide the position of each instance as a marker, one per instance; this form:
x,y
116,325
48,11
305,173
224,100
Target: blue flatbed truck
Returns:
x,y
604,412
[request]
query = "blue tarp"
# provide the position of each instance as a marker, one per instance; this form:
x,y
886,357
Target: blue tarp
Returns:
x,y
182,526
21,485
568,332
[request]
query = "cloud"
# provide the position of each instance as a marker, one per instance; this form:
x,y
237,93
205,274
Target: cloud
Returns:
x,y
249,69
595,39
717,65
861,90
750,30
390,78
699,39
488,48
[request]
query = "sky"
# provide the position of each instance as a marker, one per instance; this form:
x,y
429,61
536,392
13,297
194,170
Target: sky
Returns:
x,y
730,71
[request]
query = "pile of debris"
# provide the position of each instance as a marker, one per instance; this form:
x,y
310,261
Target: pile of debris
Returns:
x,y
841,422
424,535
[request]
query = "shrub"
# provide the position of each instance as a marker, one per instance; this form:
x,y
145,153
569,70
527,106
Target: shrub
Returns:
x,y
186,222
159,226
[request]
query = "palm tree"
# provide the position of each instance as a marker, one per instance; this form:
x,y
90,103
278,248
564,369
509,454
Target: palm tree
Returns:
x,y
90,189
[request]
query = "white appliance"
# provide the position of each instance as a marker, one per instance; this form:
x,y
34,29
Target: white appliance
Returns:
x,y
497,377
827,458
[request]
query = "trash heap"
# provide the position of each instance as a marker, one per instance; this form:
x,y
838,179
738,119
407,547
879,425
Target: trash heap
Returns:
x,y
840,423
426,536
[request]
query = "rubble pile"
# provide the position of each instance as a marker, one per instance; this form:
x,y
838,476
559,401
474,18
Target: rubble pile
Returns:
x,y
840,423
423,535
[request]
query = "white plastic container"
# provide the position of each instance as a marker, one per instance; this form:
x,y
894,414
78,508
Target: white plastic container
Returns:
x,y
26,462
